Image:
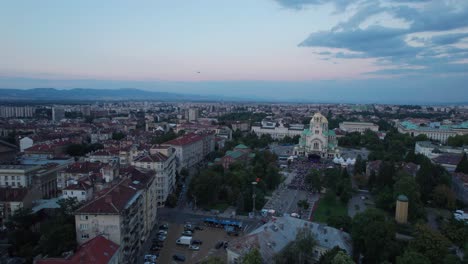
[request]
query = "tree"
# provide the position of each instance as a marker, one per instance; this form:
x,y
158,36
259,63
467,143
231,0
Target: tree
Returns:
x,y
456,231
342,258
444,197
340,222
118,136
298,251
412,257
463,165
303,204
430,243
406,185
372,235
253,257
314,181
329,255
359,166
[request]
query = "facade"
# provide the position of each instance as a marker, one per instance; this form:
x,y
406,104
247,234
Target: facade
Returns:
x,y
25,143
317,139
17,176
191,148
192,114
118,215
273,237
7,152
162,162
431,150
58,114
240,126
360,127
269,127
12,199
17,111
434,131
81,191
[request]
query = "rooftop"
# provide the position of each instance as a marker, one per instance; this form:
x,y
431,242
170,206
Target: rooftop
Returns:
x,y
112,200
98,250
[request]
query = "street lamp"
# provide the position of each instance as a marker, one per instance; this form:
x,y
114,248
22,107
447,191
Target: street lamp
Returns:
x,y
253,197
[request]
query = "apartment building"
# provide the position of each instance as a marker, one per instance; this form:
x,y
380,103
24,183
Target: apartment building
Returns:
x,y
162,162
192,148
117,213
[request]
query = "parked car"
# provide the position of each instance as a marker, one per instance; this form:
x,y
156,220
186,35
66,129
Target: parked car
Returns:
x,y
162,232
178,257
164,227
194,247
187,233
197,242
225,245
162,238
151,258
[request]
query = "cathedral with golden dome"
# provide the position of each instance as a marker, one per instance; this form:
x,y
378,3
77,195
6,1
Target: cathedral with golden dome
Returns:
x,y
318,139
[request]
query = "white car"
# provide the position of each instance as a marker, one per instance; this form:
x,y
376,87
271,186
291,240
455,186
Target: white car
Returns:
x,y
162,232
194,247
151,258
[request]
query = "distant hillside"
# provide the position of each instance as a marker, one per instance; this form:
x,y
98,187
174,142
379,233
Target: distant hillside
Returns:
x,y
79,94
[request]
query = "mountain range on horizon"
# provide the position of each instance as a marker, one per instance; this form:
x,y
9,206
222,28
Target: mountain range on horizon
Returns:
x,y
87,94
91,94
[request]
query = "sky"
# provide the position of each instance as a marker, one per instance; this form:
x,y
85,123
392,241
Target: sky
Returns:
x,y
305,50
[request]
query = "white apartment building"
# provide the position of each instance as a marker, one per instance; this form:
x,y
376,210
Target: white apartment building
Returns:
x,y
118,215
17,111
162,161
25,143
81,191
360,127
16,176
191,148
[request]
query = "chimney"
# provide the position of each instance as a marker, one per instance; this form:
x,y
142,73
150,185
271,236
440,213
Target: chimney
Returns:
x,y
108,198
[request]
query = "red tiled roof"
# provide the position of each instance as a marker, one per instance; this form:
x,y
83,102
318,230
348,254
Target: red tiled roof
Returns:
x,y
184,140
84,167
98,250
111,201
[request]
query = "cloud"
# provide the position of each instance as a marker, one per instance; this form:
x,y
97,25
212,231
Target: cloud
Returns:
x,y
428,44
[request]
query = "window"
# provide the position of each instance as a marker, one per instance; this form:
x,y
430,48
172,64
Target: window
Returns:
x,y
83,193
316,145
316,132
17,178
65,192
83,217
84,236
83,226
6,178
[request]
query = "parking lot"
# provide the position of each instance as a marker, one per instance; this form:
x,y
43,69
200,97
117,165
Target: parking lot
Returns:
x,y
210,236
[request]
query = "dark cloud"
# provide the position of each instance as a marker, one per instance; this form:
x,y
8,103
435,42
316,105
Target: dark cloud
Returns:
x,y
435,53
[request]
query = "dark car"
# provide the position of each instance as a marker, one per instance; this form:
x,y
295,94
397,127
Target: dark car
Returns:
x,y
155,248
197,242
164,227
233,233
178,257
219,245
225,245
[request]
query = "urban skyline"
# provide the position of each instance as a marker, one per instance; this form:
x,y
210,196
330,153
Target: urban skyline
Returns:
x,y
367,50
